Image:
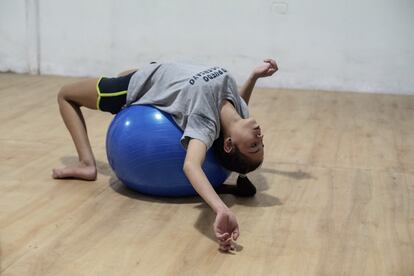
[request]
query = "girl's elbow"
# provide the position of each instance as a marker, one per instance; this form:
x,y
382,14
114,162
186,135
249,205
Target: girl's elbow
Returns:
x,y
187,167
190,167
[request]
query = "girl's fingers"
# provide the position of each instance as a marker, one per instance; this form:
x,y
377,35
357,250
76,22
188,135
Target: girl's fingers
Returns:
x,y
236,234
222,237
225,243
272,62
270,72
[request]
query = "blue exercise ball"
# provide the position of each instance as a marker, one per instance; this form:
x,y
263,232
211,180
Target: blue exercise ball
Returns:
x,y
144,150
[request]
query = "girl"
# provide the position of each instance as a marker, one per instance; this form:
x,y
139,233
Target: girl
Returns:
x,y
205,104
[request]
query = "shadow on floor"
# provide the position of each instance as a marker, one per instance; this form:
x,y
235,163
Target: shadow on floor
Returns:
x,y
206,218
299,175
259,200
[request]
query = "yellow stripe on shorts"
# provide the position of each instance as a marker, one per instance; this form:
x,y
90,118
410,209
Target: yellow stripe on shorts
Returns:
x,y
98,99
100,94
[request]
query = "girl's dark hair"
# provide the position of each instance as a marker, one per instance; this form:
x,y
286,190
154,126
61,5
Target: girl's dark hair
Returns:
x,y
234,161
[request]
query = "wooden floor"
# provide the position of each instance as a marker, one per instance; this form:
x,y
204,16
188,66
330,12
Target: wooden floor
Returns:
x,y
335,194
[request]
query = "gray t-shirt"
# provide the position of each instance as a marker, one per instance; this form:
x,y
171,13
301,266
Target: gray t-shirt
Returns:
x,y
193,95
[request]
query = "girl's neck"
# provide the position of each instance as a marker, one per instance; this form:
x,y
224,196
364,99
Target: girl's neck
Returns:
x,y
228,117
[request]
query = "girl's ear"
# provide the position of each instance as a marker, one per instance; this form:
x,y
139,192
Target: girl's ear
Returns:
x,y
228,145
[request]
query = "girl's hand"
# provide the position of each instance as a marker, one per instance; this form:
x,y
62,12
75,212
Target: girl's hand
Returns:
x,y
226,230
266,69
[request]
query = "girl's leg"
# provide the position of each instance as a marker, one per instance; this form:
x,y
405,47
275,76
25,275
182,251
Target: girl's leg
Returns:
x,y
71,98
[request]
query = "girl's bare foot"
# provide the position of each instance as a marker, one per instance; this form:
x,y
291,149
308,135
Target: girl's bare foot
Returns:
x,y
80,171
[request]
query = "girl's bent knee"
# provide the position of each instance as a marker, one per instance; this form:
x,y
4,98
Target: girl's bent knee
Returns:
x,y
63,92
63,95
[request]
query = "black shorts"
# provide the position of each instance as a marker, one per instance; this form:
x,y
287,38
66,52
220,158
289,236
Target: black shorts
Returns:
x,y
112,93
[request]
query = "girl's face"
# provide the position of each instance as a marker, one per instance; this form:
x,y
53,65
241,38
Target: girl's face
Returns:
x,y
249,139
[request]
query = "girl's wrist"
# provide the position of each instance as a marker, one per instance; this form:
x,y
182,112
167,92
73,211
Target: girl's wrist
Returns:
x,y
253,77
222,208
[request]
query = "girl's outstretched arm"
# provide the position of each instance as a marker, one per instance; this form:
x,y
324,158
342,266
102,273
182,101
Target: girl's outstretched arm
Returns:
x,y
225,226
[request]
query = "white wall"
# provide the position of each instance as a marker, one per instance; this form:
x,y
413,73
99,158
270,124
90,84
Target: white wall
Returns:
x,y
13,36
348,45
